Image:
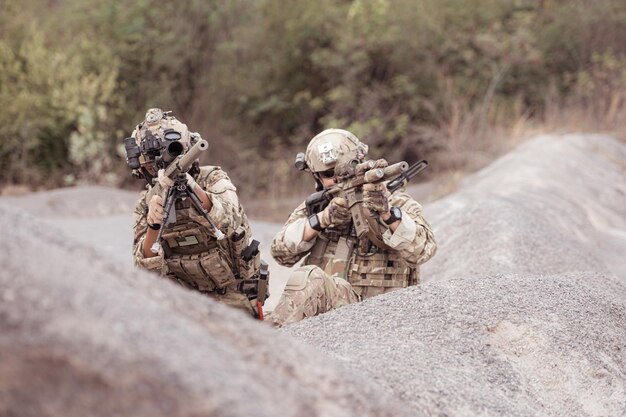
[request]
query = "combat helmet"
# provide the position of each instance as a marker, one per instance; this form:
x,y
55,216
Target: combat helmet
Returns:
x,y
333,147
157,140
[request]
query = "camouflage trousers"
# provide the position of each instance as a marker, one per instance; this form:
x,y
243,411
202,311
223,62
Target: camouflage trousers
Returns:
x,y
310,292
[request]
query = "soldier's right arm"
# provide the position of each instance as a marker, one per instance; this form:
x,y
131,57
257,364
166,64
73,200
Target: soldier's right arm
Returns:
x,y
140,229
289,246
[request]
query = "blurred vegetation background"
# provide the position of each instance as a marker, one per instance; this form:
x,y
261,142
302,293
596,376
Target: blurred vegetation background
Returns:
x,y
443,79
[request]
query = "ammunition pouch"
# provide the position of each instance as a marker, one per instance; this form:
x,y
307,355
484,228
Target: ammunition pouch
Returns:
x,y
254,288
382,269
207,272
186,239
247,257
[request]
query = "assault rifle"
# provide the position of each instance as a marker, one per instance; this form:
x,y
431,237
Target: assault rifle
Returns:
x,y
349,179
177,171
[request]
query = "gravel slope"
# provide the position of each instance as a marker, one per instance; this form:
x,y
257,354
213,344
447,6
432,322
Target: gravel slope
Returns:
x,y
522,312
101,217
555,204
82,335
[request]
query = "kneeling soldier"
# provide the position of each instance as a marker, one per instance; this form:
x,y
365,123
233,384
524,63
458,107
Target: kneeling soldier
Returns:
x,y
340,267
210,253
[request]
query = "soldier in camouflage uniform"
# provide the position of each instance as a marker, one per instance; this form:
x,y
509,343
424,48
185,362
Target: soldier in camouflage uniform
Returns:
x,y
190,253
336,271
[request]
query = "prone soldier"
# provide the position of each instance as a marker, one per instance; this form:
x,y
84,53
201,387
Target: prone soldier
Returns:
x,y
188,224
348,256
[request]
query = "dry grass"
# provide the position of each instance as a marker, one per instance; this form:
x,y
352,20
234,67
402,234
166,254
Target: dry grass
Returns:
x,y
270,187
473,145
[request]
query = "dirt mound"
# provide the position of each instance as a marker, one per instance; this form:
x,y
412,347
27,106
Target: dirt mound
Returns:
x,y
506,345
91,201
523,310
101,217
555,204
83,335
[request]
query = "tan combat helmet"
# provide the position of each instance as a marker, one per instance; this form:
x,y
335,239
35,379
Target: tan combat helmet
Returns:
x,y
163,127
332,147
162,124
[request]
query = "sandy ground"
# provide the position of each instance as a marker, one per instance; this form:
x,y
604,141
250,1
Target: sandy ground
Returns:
x,y
521,312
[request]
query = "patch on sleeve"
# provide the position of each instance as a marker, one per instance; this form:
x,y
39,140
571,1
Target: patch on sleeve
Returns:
x,y
218,182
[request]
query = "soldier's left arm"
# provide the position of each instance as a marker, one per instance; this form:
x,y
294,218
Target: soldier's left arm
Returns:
x,y
140,230
225,211
413,238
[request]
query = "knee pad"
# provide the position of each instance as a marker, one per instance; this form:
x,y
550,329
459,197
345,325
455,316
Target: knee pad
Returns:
x,y
301,276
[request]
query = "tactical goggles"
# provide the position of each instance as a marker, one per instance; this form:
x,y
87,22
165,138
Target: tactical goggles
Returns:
x,y
329,173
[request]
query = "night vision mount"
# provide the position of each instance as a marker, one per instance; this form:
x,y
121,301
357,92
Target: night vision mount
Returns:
x,y
159,152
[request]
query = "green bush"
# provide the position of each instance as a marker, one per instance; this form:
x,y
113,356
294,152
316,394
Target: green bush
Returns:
x,y
54,102
259,79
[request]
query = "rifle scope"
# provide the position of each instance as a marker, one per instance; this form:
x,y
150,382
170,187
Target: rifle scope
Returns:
x,y
172,150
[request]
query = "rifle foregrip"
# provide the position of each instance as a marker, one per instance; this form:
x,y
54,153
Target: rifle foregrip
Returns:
x,y
374,175
380,174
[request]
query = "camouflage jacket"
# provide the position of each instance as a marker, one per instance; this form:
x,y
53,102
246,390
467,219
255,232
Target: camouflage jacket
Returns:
x,y
412,242
226,212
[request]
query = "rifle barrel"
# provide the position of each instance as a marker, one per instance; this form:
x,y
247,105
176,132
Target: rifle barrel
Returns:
x,y
416,168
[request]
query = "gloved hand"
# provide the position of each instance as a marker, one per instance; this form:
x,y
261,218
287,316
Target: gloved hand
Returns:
x,y
165,181
155,210
375,198
191,183
335,214
160,187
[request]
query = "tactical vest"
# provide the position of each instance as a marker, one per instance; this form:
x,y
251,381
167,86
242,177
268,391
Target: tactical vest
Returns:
x,y
374,273
195,258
